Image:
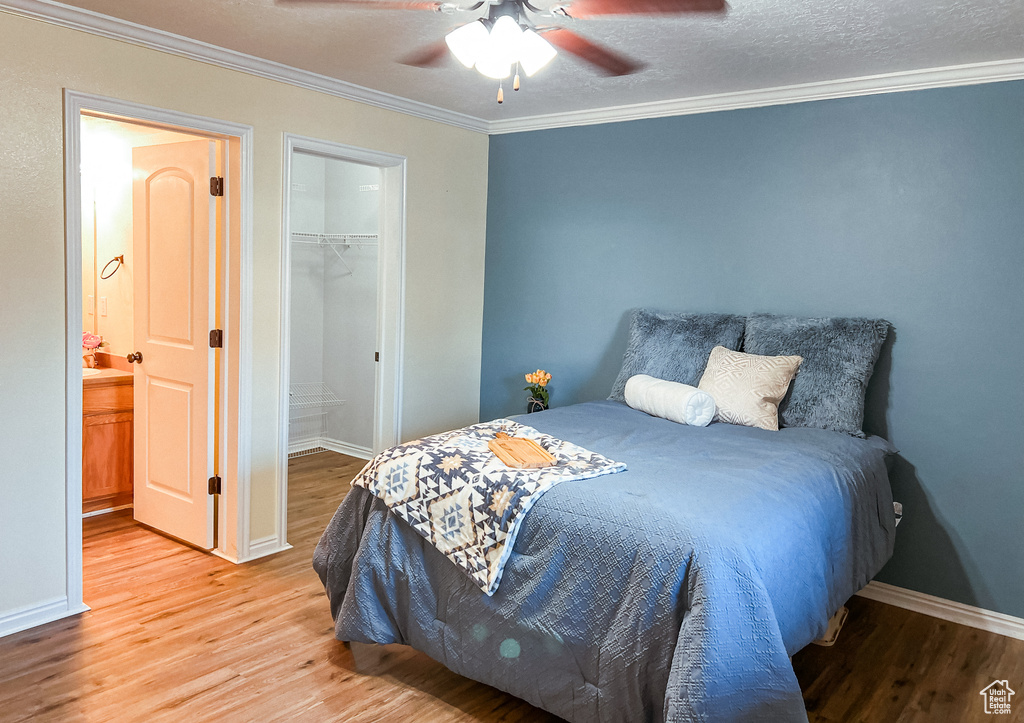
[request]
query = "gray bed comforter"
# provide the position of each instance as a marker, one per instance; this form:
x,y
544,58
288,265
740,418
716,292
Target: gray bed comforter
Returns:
x,y
674,591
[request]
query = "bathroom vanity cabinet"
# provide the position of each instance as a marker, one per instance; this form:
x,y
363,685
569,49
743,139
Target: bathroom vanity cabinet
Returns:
x,y
107,440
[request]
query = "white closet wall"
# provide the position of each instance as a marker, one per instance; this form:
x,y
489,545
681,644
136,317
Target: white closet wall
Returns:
x,y
334,224
307,317
350,299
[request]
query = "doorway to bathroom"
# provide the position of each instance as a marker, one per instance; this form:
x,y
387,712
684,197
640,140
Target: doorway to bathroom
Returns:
x,y
156,243
343,263
149,257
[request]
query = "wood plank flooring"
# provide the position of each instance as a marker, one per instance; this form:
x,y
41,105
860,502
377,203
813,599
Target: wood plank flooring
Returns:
x,y
180,635
891,664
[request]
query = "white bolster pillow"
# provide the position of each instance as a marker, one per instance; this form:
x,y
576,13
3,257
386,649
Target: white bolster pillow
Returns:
x,y
670,400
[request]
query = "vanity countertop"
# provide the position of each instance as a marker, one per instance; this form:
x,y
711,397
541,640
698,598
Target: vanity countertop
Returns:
x,y
107,376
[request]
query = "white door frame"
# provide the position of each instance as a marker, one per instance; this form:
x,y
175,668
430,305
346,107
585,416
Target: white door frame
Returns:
x,y
233,509
390,294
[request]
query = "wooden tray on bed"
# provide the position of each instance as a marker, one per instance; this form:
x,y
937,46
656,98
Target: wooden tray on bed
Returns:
x,y
520,452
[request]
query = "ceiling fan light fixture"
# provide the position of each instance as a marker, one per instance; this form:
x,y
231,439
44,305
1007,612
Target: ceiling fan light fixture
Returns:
x,y
467,42
534,52
493,52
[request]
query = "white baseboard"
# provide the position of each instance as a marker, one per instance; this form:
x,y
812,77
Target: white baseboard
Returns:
x,y
94,513
265,546
333,445
23,618
352,450
225,556
937,607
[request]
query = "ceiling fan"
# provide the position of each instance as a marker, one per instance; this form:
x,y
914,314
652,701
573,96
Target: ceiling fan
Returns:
x,y
508,39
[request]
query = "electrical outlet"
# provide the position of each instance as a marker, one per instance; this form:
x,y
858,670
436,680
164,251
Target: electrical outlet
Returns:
x,y
91,303
103,306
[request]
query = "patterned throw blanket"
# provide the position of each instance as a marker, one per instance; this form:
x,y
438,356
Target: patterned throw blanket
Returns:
x,y
461,498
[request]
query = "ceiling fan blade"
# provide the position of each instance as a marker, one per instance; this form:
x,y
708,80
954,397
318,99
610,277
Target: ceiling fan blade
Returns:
x,y
372,4
592,8
430,56
609,63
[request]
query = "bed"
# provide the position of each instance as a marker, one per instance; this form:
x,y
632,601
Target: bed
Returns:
x,y
675,591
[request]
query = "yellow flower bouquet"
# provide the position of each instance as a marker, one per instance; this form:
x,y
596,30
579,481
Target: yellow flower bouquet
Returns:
x,y
539,395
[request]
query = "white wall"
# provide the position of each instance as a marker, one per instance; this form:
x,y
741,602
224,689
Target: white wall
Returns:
x,y
306,197
352,197
107,232
307,302
446,208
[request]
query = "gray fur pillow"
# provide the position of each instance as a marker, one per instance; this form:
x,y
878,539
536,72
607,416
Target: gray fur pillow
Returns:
x,y
674,347
839,356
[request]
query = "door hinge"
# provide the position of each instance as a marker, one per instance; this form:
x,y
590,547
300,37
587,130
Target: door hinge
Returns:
x,y
216,339
376,356
216,185
215,485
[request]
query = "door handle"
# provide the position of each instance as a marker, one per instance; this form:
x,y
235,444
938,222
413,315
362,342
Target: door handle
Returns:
x,y
135,358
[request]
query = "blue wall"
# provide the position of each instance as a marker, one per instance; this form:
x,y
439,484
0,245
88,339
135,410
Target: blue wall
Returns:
x,y
905,206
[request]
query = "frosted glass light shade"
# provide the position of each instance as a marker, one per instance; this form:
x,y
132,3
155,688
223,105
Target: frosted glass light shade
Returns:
x,y
467,42
501,49
534,52
505,37
493,66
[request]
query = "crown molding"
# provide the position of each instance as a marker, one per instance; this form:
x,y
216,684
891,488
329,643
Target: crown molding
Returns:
x,y
972,74
88,21
91,22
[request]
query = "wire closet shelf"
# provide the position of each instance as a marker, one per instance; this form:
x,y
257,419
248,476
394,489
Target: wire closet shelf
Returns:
x,y
312,396
333,241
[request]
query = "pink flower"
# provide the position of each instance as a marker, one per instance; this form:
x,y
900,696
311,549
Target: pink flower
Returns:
x,y
91,341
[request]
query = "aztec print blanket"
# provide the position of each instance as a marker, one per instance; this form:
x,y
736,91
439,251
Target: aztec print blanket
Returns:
x,y
455,493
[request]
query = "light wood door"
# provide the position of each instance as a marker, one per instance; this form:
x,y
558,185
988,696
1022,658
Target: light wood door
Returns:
x,y
174,220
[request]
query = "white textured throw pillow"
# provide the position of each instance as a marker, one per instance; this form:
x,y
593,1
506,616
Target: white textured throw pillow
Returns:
x,y
748,387
670,400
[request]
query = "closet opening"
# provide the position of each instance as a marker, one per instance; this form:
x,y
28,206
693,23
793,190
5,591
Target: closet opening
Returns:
x,y
343,264
335,237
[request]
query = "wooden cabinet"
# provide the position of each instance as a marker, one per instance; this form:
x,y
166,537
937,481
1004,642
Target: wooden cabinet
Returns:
x,y
107,441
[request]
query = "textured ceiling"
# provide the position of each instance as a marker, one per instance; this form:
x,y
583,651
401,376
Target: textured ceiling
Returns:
x,y
758,44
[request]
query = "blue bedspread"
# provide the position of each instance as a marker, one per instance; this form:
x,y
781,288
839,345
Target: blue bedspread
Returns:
x,y
674,591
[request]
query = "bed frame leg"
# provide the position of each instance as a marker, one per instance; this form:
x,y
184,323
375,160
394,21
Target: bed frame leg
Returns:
x,y
835,624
